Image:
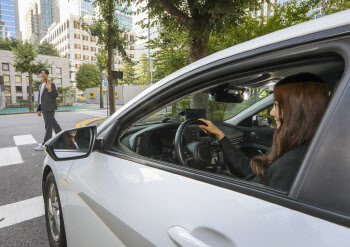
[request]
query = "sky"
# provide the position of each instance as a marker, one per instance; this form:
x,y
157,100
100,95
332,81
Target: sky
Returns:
x,y
23,7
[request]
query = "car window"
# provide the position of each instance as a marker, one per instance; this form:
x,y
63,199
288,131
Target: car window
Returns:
x,y
215,111
261,120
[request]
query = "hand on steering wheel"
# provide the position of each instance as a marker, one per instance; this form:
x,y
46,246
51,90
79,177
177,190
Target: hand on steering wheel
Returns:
x,y
211,128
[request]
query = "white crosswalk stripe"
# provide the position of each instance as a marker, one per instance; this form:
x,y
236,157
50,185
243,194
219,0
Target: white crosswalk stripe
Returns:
x,y
24,139
97,113
17,212
10,156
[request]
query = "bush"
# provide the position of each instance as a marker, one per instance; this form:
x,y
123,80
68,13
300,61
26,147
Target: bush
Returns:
x,y
23,102
58,100
81,99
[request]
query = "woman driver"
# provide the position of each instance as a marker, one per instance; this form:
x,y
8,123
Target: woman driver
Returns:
x,y
299,103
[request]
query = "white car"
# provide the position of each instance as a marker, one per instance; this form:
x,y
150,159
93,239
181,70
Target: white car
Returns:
x,y
130,182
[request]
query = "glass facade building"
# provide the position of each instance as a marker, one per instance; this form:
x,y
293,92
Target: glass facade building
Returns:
x,y
86,8
124,20
7,19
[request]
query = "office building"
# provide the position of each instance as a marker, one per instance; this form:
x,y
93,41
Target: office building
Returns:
x,y
9,19
31,22
72,39
49,13
16,84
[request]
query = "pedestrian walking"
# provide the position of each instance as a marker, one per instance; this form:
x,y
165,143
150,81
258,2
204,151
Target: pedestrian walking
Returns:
x,y
47,106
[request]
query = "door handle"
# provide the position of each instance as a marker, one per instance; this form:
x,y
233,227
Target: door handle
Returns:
x,y
184,238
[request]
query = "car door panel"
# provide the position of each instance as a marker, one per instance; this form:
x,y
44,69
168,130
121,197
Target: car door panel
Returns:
x,y
114,201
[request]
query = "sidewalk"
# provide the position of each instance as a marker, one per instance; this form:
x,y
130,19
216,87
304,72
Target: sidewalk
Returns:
x,y
7,111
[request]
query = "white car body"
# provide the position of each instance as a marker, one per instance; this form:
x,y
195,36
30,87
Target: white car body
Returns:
x,y
111,200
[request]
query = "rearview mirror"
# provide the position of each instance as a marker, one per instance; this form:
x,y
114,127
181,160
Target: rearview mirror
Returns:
x,y
72,144
223,94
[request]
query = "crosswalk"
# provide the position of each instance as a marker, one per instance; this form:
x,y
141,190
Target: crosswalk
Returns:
x,y
97,113
28,209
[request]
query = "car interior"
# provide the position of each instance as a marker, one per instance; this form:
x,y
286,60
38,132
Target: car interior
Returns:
x,y
172,135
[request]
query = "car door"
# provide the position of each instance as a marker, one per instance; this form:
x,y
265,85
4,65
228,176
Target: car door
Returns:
x,y
117,199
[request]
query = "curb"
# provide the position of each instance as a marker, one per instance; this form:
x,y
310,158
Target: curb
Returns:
x,y
89,121
26,113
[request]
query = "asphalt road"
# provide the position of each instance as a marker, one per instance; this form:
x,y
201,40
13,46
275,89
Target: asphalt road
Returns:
x,y
21,181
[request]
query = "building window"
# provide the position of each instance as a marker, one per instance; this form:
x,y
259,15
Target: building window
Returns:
x,y
50,70
59,81
132,48
18,89
77,46
132,55
93,58
86,57
118,61
76,25
5,67
77,66
27,79
68,46
6,78
77,36
58,71
18,78
132,38
85,26
77,56
126,36
7,89
93,48
99,49
85,37
67,36
85,48
93,39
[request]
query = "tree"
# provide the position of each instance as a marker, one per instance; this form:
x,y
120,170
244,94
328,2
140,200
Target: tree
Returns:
x,y
66,93
198,19
24,58
171,53
144,72
47,48
106,28
249,27
102,65
128,73
7,43
87,77
334,6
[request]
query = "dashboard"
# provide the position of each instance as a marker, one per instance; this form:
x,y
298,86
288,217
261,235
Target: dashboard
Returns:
x,y
157,141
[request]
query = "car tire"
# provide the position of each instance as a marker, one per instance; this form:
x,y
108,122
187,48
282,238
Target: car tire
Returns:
x,y
53,213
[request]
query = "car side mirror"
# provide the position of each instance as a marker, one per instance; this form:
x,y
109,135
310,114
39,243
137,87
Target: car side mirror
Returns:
x,y
261,121
72,144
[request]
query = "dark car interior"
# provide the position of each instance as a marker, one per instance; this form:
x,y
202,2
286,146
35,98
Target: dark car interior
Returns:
x,y
180,142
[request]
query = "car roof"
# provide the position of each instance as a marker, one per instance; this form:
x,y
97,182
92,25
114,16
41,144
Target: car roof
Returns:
x,y
317,25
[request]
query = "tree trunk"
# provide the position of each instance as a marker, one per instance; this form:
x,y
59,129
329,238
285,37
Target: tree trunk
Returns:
x,y
110,53
198,50
30,93
101,88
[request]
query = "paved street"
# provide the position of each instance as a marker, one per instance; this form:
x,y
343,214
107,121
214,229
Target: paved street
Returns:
x,y
21,203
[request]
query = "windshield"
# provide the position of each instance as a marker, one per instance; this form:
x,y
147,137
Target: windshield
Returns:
x,y
216,111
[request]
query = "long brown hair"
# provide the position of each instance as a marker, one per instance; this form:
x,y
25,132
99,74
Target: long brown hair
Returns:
x,y
302,100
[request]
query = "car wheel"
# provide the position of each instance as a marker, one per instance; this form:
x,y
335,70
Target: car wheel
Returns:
x,y
53,214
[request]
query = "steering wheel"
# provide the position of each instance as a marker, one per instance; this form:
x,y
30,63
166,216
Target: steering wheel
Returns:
x,y
196,154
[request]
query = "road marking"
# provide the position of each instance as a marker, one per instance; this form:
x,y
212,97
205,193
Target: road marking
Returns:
x,y
10,156
81,124
21,211
24,139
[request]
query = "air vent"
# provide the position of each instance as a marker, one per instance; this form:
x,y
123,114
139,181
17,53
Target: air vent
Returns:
x,y
237,140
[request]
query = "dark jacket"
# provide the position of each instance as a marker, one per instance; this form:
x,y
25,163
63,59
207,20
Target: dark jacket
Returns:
x,y
279,175
48,99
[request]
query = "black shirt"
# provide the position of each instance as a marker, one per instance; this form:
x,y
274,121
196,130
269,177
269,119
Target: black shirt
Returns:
x,y
279,175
